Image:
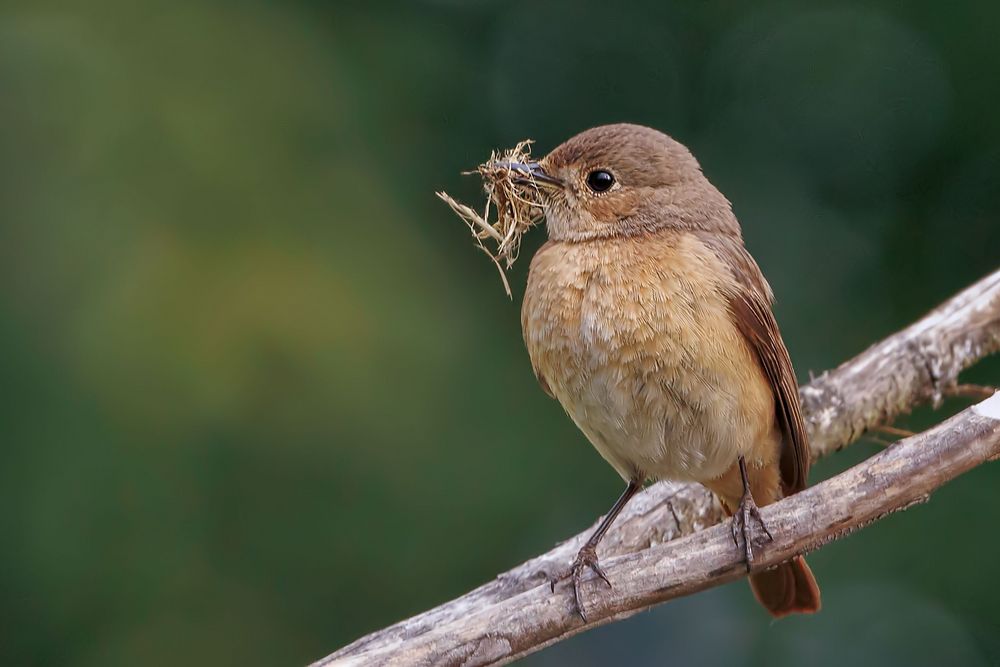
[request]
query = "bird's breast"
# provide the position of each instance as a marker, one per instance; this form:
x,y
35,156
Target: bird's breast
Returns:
x,y
633,336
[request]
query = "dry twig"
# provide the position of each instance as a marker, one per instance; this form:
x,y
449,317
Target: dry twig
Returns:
x,y
513,206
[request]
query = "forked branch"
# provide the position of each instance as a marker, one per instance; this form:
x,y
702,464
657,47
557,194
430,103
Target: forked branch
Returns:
x,y
516,614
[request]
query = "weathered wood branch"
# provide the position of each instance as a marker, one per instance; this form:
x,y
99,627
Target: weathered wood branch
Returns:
x,y
889,481
516,614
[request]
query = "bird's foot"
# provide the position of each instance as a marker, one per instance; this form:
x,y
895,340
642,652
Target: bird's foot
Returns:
x,y
586,558
746,513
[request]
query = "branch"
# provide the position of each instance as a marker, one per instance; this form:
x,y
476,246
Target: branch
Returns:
x,y
517,614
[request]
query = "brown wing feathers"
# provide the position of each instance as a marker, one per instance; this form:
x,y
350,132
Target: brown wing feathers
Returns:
x,y
758,325
750,305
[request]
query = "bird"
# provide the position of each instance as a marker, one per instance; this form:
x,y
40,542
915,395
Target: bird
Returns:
x,y
646,317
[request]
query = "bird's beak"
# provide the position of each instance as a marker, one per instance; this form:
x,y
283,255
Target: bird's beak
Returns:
x,y
531,172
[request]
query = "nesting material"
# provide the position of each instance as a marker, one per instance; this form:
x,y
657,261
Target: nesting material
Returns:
x,y
514,205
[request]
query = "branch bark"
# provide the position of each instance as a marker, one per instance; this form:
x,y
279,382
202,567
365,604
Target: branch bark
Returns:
x,y
516,613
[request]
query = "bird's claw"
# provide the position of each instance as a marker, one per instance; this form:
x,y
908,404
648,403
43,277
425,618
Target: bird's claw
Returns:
x,y
586,558
740,528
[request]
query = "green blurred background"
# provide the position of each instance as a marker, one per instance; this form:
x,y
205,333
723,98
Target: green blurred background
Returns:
x,y
260,394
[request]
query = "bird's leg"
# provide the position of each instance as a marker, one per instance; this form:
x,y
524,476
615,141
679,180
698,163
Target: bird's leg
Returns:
x,y
745,512
587,556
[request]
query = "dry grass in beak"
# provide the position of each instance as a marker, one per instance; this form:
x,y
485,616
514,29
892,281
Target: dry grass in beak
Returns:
x,y
514,204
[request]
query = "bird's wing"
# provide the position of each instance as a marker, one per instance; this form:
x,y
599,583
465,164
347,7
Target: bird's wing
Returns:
x,y
750,306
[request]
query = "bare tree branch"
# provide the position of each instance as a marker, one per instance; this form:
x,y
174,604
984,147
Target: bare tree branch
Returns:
x,y
517,614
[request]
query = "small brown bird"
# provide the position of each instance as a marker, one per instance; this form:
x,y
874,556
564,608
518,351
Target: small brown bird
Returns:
x,y
646,317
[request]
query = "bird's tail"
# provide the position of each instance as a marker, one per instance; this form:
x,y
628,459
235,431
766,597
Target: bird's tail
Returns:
x,y
787,589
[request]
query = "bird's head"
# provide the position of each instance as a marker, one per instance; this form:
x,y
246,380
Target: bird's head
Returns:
x,y
623,180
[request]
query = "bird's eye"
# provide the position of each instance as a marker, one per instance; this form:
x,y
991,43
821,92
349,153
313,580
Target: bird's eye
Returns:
x,y
600,180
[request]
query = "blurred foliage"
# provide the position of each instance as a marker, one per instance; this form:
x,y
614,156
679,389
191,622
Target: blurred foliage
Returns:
x,y
260,395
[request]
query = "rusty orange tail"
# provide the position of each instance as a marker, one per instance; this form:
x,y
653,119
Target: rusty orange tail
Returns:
x,y
789,588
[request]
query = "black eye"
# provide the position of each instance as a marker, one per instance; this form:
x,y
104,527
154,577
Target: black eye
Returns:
x,y
600,180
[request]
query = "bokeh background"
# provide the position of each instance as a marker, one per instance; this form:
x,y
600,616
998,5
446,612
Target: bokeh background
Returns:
x,y
260,395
